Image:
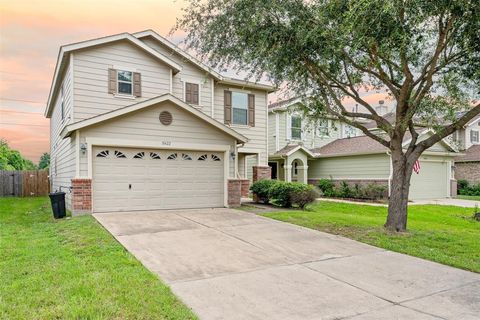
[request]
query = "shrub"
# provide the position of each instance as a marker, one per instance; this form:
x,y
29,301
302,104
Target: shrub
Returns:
x,y
345,191
262,189
327,187
374,191
282,192
302,198
462,184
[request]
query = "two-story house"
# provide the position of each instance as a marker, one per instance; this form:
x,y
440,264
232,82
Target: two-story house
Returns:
x,y
467,166
307,151
139,124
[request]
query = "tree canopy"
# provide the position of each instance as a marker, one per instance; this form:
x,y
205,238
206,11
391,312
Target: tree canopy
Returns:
x,y
44,162
425,55
12,159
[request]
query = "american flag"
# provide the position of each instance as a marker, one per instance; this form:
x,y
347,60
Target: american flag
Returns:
x,y
416,167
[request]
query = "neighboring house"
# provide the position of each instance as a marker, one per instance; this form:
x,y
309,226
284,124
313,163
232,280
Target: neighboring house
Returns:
x,y
467,167
300,150
138,124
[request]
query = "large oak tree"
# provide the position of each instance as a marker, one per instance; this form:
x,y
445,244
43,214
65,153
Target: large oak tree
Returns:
x,y
425,55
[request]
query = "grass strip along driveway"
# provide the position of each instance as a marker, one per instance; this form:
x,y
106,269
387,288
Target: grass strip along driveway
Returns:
x,y
72,269
444,234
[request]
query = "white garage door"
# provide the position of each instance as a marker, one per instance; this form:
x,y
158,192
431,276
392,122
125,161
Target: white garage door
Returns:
x,y
431,182
141,179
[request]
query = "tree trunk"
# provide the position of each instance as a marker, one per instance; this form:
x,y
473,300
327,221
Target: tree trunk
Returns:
x,y
399,188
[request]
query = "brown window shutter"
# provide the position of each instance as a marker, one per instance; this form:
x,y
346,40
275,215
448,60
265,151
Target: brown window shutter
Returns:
x,y
112,81
195,89
137,84
227,110
251,110
188,92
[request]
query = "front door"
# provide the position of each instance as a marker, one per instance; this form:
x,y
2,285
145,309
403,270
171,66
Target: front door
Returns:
x,y
274,169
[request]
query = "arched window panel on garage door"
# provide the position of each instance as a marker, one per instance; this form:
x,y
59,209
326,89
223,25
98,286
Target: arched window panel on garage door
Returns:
x,y
139,155
103,154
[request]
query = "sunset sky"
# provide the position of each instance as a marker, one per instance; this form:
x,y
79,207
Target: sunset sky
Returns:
x,y
31,33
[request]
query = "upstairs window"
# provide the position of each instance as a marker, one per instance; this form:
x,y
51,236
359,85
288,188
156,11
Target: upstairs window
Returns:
x,y
240,108
349,131
192,93
125,82
474,136
296,127
323,128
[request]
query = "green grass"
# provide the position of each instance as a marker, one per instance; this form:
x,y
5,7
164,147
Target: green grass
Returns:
x,y
477,198
72,269
444,234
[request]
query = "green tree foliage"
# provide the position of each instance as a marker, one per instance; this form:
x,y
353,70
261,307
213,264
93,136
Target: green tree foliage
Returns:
x,y
425,55
44,162
12,159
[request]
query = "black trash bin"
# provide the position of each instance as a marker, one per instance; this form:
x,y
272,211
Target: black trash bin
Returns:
x,y
58,204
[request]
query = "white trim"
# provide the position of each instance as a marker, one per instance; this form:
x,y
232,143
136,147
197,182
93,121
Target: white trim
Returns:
x,y
226,170
277,131
212,101
165,97
267,125
72,89
248,150
77,154
67,49
289,153
449,177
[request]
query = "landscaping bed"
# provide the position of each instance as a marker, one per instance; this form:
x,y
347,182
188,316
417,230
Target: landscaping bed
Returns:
x,y
72,269
445,234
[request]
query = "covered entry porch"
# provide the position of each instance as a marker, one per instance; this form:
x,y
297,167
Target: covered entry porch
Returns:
x,y
291,164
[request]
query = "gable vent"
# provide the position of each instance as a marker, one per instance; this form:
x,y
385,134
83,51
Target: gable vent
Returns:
x,y
166,118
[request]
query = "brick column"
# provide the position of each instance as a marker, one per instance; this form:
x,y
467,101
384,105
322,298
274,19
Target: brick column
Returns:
x,y
261,172
234,192
81,196
245,187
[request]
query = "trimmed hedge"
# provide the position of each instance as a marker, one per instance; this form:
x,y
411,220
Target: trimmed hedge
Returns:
x,y
371,191
262,189
465,189
285,194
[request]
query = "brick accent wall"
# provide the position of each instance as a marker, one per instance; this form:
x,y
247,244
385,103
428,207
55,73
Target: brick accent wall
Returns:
x,y
469,171
245,187
234,192
81,196
261,172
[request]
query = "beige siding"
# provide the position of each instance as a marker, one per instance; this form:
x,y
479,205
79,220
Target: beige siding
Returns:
x,y
257,136
144,126
189,73
272,135
62,151
91,77
310,137
351,167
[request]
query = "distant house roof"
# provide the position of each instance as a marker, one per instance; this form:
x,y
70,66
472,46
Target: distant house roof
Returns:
x,y
348,146
364,145
390,117
283,104
471,154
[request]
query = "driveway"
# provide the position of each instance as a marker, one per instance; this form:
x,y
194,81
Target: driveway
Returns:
x,y
229,264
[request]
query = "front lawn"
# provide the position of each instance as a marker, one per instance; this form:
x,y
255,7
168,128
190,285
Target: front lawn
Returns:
x,y
474,198
72,269
443,234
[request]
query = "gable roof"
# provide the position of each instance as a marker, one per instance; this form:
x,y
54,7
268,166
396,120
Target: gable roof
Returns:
x,y
471,154
217,76
68,130
64,53
176,49
365,145
290,149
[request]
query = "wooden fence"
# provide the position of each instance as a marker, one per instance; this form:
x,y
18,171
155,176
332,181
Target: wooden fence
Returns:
x,y
28,183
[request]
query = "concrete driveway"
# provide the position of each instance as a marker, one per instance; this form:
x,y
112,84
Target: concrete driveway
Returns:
x,y
229,264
